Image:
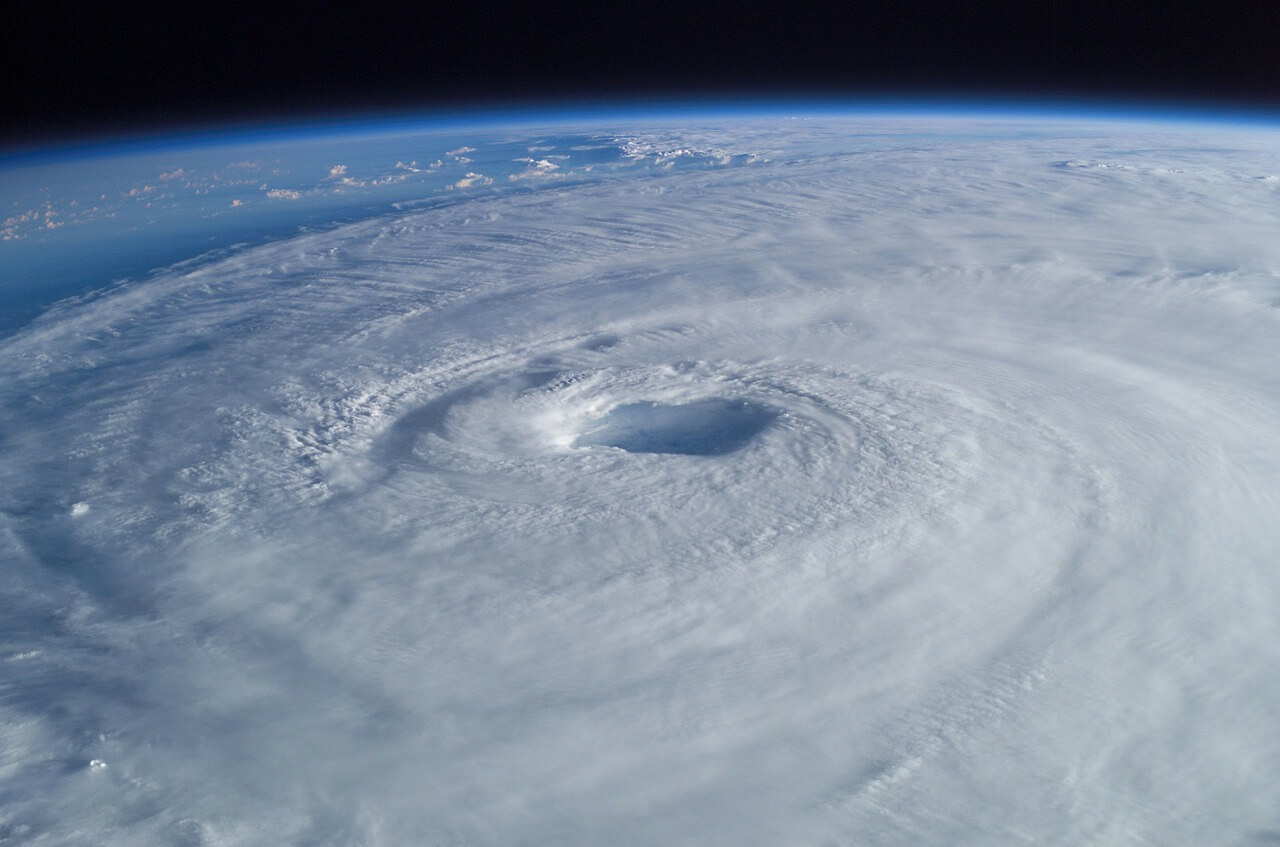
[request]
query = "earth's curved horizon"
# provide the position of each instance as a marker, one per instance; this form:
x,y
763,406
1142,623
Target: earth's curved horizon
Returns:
x,y
697,477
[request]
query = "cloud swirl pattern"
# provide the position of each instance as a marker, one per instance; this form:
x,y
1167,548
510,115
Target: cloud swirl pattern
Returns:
x,y
920,493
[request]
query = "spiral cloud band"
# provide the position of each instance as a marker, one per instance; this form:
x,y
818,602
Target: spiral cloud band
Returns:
x,y
909,486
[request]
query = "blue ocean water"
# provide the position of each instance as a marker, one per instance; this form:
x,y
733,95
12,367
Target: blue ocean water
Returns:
x,y
86,219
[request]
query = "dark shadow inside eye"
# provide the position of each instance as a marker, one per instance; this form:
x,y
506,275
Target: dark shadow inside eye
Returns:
x,y
711,427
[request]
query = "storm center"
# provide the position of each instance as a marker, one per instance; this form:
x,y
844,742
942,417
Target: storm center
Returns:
x,y
711,427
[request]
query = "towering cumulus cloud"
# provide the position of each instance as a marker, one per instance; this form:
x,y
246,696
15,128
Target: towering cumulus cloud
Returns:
x,y
923,491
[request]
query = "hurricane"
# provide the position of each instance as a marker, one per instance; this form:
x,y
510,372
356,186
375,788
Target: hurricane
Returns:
x,y
830,481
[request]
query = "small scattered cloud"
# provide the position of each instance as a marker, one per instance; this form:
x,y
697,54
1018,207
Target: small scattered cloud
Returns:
x,y
284,194
337,171
471,180
456,154
237,202
176,173
536,168
10,227
414,168
29,215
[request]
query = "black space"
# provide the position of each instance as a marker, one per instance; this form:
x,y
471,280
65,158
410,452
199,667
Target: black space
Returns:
x,y
75,70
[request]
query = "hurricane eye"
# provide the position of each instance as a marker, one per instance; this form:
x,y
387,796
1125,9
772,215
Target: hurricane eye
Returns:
x,y
711,427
